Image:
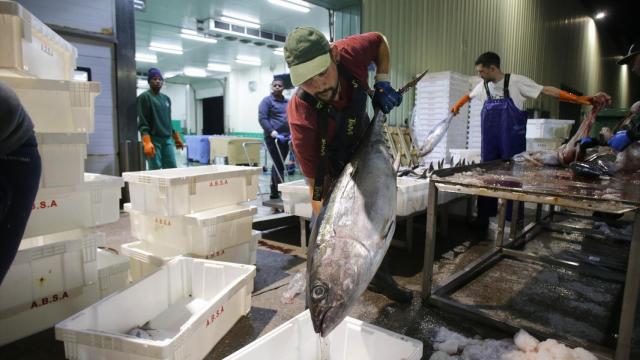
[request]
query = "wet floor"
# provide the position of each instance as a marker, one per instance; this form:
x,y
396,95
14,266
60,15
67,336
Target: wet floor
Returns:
x,y
540,296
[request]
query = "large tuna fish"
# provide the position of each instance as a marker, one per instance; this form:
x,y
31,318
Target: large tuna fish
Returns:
x,y
353,231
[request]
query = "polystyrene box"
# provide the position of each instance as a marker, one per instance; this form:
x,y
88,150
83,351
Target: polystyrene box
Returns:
x,y
113,272
543,144
201,233
48,269
181,191
57,106
190,304
146,258
549,128
352,339
30,48
94,202
411,197
63,157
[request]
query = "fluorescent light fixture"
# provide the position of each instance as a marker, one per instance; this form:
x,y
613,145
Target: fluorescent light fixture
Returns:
x,y
194,71
240,20
139,4
141,84
219,67
248,60
600,15
170,74
165,48
148,58
296,5
193,35
279,51
79,75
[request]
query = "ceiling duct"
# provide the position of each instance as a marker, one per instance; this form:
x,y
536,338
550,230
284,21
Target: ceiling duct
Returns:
x,y
225,30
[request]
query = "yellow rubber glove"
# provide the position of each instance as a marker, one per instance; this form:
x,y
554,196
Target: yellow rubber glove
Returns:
x,y
569,97
149,149
178,141
463,100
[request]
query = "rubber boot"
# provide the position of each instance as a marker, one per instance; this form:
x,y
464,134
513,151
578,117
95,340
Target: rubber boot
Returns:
x,y
383,283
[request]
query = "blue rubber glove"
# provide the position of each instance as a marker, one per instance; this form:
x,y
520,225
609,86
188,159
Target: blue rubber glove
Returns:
x,y
588,142
619,141
282,138
386,97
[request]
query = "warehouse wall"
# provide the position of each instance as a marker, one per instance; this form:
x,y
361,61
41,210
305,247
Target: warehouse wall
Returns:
x,y
552,42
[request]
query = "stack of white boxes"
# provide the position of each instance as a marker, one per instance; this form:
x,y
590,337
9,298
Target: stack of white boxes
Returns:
x,y
194,211
55,272
436,93
475,108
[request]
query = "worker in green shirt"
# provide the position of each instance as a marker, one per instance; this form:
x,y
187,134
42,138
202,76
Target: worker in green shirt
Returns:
x,y
154,124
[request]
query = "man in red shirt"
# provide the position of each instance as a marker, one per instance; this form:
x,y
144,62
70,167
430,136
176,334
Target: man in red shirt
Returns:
x,y
330,108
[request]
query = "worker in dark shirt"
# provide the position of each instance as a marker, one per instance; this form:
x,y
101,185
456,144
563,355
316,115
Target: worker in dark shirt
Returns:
x,y
272,114
20,169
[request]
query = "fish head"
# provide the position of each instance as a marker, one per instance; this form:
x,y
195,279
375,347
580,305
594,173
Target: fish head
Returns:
x,y
336,278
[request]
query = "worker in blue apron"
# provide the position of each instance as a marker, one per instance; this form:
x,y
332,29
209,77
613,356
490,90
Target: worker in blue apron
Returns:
x,y
503,121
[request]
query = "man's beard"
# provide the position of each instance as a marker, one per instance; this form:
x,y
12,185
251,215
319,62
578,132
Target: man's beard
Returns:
x,y
327,94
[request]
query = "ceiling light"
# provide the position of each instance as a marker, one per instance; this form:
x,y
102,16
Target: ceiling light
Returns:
x,y
165,48
296,5
141,84
248,60
600,15
240,20
193,35
279,51
194,72
219,67
170,74
148,58
139,4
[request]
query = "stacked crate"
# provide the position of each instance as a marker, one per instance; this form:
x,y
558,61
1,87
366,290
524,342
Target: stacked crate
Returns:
x,y
475,108
436,93
55,272
195,211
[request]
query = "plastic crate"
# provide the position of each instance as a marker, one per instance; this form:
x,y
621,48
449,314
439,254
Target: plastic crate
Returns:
x,y
47,267
543,144
113,272
198,148
30,48
63,157
201,233
146,258
191,304
352,339
94,202
46,313
295,198
230,147
57,106
173,192
548,128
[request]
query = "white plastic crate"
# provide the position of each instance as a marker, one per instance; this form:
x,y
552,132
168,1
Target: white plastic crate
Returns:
x,y
201,233
46,313
548,128
57,106
190,303
146,258
295,198
352,339
173,192
30,48
63,157
113,272
543,144
47,267
94,202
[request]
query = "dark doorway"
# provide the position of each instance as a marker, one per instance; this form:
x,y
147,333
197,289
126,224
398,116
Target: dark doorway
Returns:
x,y
570,111
213,116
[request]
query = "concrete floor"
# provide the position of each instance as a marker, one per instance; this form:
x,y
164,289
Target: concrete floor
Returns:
x,y
555,299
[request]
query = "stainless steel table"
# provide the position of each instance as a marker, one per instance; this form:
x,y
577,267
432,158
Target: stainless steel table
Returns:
x,y
526,182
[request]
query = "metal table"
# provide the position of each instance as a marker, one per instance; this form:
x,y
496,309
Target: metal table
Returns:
x,y
526,182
